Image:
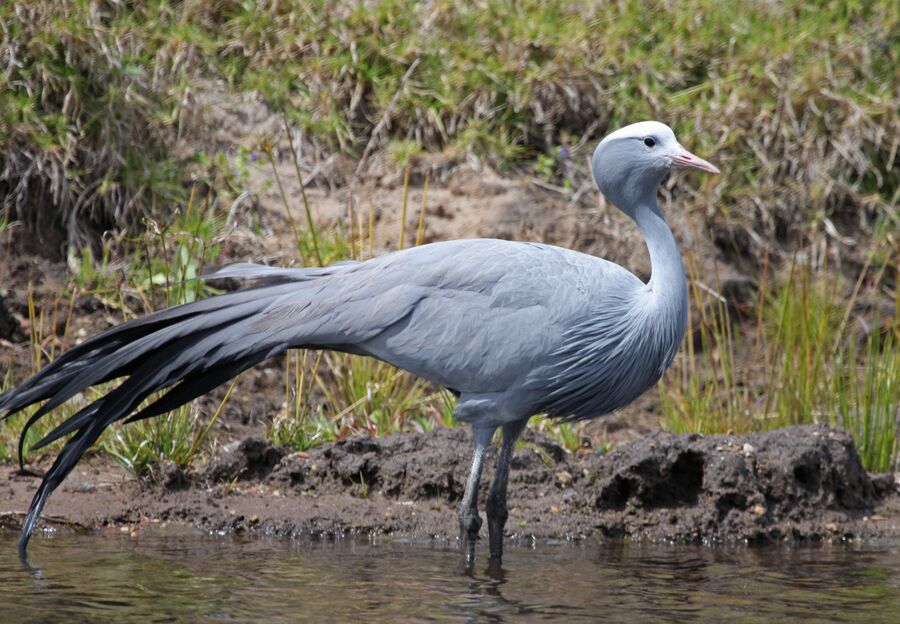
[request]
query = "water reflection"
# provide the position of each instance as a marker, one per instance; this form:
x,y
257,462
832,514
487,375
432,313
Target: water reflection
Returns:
x,y
197,578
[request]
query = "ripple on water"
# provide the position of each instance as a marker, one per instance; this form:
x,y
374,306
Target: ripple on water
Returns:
x,y
167,577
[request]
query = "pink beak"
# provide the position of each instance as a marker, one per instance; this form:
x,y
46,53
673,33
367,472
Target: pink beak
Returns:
x,y
685,159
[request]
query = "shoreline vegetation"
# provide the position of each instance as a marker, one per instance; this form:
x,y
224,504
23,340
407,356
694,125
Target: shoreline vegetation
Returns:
x,y
103,163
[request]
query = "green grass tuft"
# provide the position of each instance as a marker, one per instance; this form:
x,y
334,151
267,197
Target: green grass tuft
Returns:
x,y
803,361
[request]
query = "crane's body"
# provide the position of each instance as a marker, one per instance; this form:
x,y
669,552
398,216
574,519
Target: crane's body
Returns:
x,y
515,329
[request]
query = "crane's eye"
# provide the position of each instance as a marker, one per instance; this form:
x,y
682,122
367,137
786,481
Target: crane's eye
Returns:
x,y
649,142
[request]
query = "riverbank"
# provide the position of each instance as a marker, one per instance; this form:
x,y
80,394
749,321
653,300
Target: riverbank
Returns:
x,y
799,484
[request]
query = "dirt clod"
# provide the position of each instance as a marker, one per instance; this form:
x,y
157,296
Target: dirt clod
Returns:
x,y
792,483
252,458
169,475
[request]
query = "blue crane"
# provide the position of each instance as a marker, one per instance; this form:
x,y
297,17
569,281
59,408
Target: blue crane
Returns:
x,y
514,329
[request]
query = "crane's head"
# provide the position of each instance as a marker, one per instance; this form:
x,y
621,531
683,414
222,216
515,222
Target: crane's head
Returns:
x,y
630,163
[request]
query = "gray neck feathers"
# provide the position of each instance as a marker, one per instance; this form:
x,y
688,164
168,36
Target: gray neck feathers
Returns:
x,y
667,269
631,185
666,297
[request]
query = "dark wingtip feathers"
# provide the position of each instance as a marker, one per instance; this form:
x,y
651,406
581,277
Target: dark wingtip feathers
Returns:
x,y
166,357
66,460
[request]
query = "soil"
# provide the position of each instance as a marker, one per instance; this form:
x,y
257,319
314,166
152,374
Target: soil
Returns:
x,y
802,483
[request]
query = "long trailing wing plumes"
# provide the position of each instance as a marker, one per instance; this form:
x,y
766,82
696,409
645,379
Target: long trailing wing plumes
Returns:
x,y
188,349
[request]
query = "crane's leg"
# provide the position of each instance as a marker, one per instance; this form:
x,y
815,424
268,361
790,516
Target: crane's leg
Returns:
x,y
469,521
495,505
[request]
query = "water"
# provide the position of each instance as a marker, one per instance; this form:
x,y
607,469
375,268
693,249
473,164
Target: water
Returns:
x,y
168,577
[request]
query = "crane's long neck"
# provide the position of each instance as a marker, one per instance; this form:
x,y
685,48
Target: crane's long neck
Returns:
x,y
667,287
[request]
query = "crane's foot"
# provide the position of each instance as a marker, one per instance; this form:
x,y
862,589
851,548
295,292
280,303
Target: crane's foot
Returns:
x,y
497,514
495,569
496,541
469,526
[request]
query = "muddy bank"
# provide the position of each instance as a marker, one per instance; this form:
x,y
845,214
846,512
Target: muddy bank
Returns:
x,y
804,483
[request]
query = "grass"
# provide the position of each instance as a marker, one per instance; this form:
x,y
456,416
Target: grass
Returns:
x,y
794,99
179,436
364,394
85,126
810,357
156,269
43,347
303,423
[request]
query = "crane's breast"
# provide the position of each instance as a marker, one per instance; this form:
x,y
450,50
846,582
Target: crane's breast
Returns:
x,y
606,361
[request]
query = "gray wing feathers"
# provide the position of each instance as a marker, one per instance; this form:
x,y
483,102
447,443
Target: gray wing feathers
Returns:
x,y
268,274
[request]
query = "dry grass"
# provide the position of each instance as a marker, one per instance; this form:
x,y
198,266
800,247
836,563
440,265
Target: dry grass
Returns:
x,y
798,101
87,112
